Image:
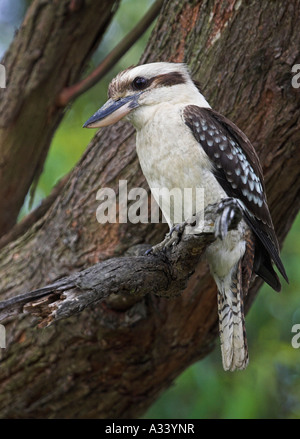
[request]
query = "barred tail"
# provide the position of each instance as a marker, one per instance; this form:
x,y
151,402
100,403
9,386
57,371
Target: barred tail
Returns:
x,y
232,322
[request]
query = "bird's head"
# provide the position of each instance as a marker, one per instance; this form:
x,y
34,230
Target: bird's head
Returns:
x,y
135,93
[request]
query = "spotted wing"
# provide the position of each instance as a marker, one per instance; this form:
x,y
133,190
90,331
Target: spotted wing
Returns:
x,y
238,171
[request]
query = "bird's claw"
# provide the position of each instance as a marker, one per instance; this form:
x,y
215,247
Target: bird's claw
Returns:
x,y
229,216
149,251
172,238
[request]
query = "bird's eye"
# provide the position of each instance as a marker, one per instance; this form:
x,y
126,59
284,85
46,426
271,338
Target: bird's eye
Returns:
x,y
139,83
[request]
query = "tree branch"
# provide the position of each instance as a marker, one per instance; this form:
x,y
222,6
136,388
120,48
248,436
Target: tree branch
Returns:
x,y
20,228
42,60
165,274
70,93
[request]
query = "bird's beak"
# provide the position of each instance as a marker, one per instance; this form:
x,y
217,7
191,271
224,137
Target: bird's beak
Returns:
x,y
112,111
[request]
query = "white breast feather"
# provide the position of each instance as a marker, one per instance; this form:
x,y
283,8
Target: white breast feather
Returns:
x,y
172,158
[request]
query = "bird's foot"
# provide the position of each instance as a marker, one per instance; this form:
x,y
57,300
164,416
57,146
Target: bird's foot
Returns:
x,y
229,216
172,238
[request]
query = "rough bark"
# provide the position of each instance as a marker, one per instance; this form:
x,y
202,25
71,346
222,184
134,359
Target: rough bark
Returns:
x,y
164,270
113,362
49,52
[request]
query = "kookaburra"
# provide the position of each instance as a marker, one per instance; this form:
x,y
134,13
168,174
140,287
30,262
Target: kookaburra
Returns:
x,y
182,143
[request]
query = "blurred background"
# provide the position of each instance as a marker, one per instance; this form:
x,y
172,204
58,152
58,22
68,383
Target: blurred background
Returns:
x,y
270,387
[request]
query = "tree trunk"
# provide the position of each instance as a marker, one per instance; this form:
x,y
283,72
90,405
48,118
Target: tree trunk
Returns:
x,y
48,53
111,361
